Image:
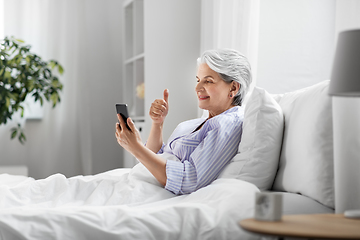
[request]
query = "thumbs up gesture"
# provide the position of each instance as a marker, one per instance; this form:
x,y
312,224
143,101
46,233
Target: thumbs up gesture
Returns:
x,y
159,108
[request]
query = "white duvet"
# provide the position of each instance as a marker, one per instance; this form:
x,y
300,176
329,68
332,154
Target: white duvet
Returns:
x,y
121,204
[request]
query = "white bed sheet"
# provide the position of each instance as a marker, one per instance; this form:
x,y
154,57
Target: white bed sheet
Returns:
x,y
121,204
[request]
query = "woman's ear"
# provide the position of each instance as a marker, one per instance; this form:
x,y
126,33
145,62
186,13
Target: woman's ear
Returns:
x,y
235,87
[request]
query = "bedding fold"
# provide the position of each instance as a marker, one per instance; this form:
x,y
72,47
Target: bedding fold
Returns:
x,y
121,204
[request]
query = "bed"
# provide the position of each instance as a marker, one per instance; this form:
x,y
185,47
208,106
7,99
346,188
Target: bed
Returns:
x,y
121,204
275,154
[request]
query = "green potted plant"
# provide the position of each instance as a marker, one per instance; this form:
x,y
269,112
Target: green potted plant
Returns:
x,y
24,73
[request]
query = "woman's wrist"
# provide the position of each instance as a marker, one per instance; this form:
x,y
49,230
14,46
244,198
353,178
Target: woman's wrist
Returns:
x,y
155,140
157,125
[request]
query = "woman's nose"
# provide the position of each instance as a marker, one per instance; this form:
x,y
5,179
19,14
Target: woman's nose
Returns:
x,y
198,87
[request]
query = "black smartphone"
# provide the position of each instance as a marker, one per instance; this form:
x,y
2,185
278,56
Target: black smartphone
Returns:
x,y
122,109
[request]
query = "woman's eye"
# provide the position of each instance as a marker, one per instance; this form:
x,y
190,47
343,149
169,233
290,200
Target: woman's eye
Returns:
x,y
205,81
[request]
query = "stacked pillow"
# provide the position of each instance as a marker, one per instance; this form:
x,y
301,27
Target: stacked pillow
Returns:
x,y
306,161
297,129
259,149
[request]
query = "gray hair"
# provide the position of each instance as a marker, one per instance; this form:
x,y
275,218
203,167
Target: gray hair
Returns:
x,y
231,65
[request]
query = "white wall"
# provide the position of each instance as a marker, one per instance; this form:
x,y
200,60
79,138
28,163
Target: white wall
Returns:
x,y
296,43
101,75
77,137
347,15
172,46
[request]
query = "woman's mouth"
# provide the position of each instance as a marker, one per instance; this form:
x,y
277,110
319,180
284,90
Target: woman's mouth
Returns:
x,y
203,97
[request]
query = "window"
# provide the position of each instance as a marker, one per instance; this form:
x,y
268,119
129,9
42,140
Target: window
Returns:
x,y
32,110
2,19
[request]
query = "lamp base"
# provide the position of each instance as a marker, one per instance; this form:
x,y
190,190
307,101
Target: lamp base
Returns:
x,y
346,127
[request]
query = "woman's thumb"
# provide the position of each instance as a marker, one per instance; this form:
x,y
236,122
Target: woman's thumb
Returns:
x,y
166,95
131,124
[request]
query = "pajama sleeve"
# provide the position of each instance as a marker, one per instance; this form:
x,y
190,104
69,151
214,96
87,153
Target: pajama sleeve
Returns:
x,y
219,144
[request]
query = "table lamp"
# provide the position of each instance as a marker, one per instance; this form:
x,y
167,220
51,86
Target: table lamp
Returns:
x,y
345,91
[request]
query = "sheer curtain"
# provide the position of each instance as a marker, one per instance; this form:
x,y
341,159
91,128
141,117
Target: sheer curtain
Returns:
x,y
231,24
50,27
77,136
2,19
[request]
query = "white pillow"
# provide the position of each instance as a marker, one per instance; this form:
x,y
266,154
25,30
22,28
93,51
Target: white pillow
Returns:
x,y
306,161
260,145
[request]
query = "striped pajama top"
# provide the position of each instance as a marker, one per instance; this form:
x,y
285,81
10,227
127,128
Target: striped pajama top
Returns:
x,y
196,158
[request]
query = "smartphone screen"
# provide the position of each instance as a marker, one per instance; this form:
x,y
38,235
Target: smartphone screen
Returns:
x,y
121,108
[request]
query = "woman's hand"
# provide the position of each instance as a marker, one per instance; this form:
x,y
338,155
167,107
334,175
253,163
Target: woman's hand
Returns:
x,y
130,140
160,108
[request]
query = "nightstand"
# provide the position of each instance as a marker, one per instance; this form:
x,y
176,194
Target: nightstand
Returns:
x,y
318,226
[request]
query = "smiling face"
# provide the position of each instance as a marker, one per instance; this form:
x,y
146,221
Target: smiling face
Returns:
x,y
213,93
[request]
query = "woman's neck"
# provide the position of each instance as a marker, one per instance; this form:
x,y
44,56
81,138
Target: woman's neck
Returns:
x,y
213,114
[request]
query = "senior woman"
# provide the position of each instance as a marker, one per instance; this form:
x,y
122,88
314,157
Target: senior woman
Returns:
x,y
198,149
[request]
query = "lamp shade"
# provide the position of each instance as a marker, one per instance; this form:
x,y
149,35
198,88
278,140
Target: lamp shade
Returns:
x,y
345,76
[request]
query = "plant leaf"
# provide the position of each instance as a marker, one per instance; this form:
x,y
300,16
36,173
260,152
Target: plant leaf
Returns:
x,y
22,138
54,98
60,69
23,72
22,111
7,104
14,133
